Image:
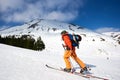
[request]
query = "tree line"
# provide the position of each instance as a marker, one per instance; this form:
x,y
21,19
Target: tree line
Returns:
x,y
25,41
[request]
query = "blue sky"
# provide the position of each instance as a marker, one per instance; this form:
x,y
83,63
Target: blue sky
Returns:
x,y
97,15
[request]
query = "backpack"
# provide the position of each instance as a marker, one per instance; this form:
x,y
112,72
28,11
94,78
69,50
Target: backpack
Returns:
x,y
75,39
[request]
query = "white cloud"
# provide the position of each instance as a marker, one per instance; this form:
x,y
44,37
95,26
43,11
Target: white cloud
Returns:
x,y
25,10
27,15
61,16
6,5
107,29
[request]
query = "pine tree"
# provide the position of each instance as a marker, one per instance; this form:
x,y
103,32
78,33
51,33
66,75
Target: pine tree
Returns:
x,y
39,45
25,41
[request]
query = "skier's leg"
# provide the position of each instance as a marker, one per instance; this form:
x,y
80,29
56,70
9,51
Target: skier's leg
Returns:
x,y
67,55
80,62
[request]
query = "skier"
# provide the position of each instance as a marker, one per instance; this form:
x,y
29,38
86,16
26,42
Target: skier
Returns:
x,y
70,52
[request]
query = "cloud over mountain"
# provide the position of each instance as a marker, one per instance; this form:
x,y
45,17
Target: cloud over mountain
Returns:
x,y
107,29
25,10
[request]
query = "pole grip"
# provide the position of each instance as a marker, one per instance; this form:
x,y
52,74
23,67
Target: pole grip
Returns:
x,y
63,46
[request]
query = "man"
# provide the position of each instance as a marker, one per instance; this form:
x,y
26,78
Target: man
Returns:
x,y
70,52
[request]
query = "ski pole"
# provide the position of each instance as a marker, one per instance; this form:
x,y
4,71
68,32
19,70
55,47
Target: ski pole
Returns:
x,y
63,46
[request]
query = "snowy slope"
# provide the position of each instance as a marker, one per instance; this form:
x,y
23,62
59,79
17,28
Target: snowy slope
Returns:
x,y
99,51
114,35
22,64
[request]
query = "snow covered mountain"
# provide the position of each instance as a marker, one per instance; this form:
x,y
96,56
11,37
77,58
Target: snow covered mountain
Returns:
x,y
114,35
99,51
50,31
41,26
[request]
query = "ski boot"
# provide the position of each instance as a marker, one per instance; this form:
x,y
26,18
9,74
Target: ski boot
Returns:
x,y
67,70
84,69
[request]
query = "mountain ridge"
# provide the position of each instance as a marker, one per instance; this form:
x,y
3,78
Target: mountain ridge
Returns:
x,y
44,25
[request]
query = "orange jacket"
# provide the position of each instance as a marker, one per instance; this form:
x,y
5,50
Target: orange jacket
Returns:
x,y
67,41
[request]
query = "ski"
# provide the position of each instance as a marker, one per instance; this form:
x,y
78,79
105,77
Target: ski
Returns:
x,y
61,69
86,75
91,76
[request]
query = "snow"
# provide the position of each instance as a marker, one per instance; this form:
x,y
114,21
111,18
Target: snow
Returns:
x,y
100,52
23,64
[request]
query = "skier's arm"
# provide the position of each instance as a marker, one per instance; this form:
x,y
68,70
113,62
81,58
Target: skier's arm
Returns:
x,y
68,42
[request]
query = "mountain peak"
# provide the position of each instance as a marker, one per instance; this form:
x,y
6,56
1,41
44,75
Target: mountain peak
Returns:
x,y
42,25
